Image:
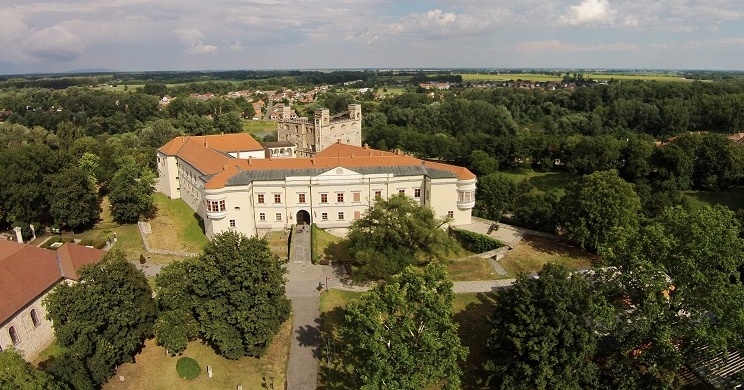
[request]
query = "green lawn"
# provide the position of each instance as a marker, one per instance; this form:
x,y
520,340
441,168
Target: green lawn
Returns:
x,y
471,312
261,126
473,268
543,181
531,253
175,226
154,369
326,246
733,198
278,243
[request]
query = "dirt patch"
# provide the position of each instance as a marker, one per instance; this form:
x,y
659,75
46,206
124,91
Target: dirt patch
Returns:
x,y
531,253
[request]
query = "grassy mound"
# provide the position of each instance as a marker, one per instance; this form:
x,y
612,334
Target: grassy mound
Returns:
x,y
187,368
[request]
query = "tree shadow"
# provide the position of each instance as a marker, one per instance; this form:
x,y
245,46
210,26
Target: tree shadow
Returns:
x,y
308,336
474,330
200,222
335,372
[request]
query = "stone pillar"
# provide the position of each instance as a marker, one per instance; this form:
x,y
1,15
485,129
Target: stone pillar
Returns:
x,y
33,232
19,236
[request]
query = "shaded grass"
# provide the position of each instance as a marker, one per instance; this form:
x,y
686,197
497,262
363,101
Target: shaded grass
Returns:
x,y
473,268
154,369
531,253
326,246
471,312
733,198
47,354
175,226
543,181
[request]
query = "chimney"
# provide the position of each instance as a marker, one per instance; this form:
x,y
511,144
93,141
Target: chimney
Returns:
x,y
398,152
250,160
312,160
338,141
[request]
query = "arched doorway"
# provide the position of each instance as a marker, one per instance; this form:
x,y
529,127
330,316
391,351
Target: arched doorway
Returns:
x,y
303,217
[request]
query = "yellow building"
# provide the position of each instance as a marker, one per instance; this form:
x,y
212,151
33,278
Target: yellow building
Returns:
x,y
232,186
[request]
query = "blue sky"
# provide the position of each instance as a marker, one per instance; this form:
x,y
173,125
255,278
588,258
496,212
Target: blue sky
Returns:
x,y
140,35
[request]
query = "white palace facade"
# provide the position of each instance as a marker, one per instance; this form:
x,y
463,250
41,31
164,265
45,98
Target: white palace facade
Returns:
x,y
233,183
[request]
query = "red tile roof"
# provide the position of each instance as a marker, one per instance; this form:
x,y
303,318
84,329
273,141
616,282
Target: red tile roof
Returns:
x,y
224,143
27,271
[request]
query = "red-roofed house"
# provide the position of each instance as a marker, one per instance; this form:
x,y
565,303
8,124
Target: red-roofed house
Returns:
x,y
27,275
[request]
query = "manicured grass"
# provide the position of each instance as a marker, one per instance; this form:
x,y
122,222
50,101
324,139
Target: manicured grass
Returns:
x,y
326,246
733,198
176,227
543,181
154,369
473,268
260,126
532,253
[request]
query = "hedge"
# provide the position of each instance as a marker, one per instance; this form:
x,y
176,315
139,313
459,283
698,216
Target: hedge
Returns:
x,y
187,368
475,242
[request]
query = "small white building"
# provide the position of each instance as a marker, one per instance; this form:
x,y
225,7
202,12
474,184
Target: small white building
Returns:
x,y
251,194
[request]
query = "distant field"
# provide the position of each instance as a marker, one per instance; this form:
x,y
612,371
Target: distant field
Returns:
x,y
733,198
544,77
251,126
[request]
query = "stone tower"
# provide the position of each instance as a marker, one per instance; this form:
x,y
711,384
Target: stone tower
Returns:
x,y
324,130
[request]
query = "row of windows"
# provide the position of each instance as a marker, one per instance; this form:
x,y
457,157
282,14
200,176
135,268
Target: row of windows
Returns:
x,y
465,196
215,206
14,334
356,196
323,217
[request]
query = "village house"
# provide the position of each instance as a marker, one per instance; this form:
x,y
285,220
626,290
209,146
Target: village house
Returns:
x,y
27,274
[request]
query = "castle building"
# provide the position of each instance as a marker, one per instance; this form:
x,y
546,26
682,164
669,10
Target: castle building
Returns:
x,y
322,132
233,187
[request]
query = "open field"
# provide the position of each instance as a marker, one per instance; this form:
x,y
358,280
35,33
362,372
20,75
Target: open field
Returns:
x,y
543,181
473,268
733,198
471,312
549,78
531,253
261,127
278,243
175,226
154,369
326,246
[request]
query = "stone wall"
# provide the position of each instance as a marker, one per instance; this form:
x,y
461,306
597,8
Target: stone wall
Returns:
x,y
32,338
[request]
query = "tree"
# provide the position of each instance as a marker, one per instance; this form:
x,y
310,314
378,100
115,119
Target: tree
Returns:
x,y
541,337
597,204
105,318
232,296
393,234
131,192
73,200
16,373
681,274
23,193
401,335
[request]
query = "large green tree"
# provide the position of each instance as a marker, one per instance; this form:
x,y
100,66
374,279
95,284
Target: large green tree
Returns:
x,y
232,297
105,318
73,199
541,337
23,193
17,374
401,335
131,192
393,234
595,206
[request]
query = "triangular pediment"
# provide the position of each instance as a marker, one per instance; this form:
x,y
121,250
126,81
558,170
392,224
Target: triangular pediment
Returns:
x,y
339,171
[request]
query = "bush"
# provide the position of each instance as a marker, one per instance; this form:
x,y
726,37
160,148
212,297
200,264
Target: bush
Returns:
x,y
314,257
475,242
187,368
85,242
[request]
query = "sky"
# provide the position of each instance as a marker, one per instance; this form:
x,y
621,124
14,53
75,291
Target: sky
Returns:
x,y
160,35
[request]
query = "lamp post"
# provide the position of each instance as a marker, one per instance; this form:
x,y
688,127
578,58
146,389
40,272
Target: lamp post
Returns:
x,y
327,283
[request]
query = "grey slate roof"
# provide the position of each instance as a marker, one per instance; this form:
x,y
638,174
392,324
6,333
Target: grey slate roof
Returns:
x,y
247,177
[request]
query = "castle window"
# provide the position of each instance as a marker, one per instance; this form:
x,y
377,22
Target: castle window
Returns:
x,y
323,198
450,214
378,194
278,216
277,198
232,223
340,215
262,217
214,206
261,198
417,192
35,318
402,192
324,216
340,197
357,214
357,197
301,198
13,335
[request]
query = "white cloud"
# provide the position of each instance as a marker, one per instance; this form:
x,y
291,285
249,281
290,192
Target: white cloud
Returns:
x,y
558,46
53,44
193,42
589,12
438,24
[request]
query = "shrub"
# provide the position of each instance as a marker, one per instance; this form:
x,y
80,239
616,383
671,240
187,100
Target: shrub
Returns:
x,y
313,250
476,242
187,368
